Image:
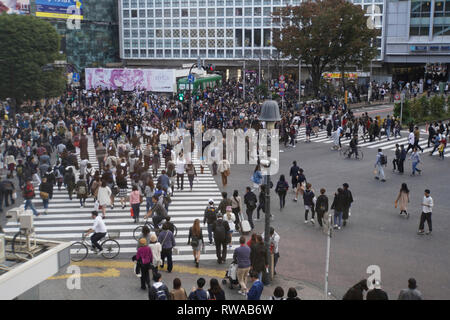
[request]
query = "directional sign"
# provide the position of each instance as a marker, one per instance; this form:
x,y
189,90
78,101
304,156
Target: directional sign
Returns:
x,y
191,78
281,78
397,97
282,85
76,77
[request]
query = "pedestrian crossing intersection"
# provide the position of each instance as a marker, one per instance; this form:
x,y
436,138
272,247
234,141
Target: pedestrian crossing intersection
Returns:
x,y
382,143
66,220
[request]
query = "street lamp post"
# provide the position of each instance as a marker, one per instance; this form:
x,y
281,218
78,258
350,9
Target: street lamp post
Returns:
x,y
270,113
327,264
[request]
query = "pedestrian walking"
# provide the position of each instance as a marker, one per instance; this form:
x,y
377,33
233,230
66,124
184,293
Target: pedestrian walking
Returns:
x,y
242,257
402,159
322,208
224,169
104,197
356,292
250,201
167,241
135,203
69,182
180,169
230,218
381,161
293,173
396,160
81,189
308,202
46,193
403,200
257,178
338,205
427,210
258,256
281,189
195,239
220,229
347,204
28,195
236,207
191,173
210,216
144,257
261,202
411,293
177,293
122,184
415,160
301,184
156,251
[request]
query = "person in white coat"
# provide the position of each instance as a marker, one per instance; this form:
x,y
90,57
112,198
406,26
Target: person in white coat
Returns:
x,y
230,218
156,251
180,165
104,197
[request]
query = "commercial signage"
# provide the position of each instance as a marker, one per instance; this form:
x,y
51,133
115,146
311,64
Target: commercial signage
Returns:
x,y
15,6
337,75
156,80
60,9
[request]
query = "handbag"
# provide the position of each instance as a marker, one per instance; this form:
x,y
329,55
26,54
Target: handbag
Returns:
x,y
226,172
14,195
132,212
44,195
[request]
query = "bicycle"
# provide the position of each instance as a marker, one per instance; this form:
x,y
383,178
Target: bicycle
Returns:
x,y
79,250
345,153
138,230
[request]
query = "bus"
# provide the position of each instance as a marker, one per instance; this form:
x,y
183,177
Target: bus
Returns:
x,y
201,82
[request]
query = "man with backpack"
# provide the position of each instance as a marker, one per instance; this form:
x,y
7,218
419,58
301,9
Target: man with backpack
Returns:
x,y
198,293
28,195
220,229
158,291
379,163
210,218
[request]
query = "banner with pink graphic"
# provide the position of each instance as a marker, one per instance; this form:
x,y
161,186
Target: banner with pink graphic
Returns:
x,y
156,80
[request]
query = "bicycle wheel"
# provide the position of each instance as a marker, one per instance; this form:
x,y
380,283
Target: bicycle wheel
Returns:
x,y
19,246
360,155
137,232
175,230
78,251
111,249
343,153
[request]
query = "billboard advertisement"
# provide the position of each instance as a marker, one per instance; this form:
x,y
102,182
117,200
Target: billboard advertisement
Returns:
x,y
156,80
60,9
15,6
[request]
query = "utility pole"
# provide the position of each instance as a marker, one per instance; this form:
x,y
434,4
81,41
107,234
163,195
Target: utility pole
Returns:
x,y
299,79
327,264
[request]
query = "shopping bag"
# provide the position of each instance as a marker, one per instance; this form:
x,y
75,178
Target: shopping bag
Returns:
x,y
131,212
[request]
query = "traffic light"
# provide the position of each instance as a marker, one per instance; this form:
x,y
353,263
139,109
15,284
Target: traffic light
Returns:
x,y
181,96
209,68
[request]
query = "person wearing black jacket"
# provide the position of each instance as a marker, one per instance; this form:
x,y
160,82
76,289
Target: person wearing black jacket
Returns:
x,y
221,229
377,293
258,256
348,203
295,171
338,206
47,187
210,217
250,201
262,201
308,201
322,207
281,189
357,291
402,159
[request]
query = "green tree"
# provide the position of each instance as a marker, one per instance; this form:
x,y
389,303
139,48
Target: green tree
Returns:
x,y
28,44
437,106
354,44
318,33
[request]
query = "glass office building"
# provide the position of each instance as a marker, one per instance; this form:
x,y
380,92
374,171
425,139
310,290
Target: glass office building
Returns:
x,y
210,29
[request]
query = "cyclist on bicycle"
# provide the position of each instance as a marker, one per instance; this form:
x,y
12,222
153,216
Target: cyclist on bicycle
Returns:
x,y
354,146
159,210
99,230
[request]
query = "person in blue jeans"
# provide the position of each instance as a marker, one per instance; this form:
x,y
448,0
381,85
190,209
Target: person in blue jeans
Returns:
x,y
338,206
28,195
415,158
167,241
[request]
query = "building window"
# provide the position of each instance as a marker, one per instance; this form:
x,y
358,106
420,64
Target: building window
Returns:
x,y
151,43
202,53
211,22
230,22
143,53
126,13
126,33
176,43
193,12
175,3
220,12
220,33
159,33
184,33
185,23
238,12
238,22
151,53
158,23
419,30
229,53
202,43
211,12
185,43
159,53
238,2
126,43
126,3
248,2
176,53
202,23
230,12
158,3
176,23
220,3
211,53
150,23
127,53
229,43
135,53
193,23
150,13
211,3
167,43
126,23
202,12
257,37
238,53
167,33
151,33
159,43
238,38
420,8
267,37
220,23
257,22
175,13
220,54
202,33
194,53
142,33
202,3
257,12
134,23
211,43
193,33
184,3
134,13
142,13
158,13
230,3
248,12
211,33
185,54
267,11
167,13
142,23
167,23
150,3
134,33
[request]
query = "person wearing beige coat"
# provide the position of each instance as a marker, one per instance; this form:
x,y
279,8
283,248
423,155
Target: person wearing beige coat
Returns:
x,y
403,200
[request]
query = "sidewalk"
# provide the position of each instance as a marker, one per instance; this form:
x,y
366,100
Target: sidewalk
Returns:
x,y
111,280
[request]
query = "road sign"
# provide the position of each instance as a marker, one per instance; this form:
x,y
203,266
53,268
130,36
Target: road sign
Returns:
x,y
282,85
191,78
281,93
397,97
281,78
282,89
76,77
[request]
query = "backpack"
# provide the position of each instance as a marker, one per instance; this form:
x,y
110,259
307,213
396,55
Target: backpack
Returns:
x,y
383,159
28,192
161,293
219,232
19,170
251,203
211,214
82,190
